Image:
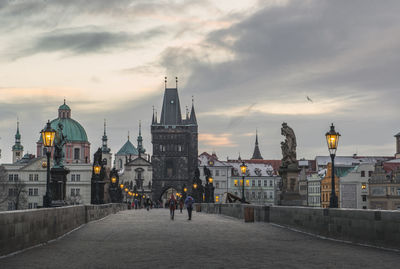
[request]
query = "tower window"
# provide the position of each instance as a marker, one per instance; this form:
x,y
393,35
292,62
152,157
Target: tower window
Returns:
x,y
120,163
169,168
77,154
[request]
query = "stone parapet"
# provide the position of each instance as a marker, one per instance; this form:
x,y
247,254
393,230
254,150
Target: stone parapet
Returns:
x,y
373,227
25,228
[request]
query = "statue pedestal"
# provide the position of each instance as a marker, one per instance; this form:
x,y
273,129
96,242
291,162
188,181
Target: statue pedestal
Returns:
x,y
58,185
290,195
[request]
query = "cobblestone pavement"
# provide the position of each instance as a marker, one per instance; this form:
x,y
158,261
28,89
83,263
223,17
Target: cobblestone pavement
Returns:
x,y
142,239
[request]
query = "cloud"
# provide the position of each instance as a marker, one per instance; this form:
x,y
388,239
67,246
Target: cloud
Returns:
x,y
218,140
86,40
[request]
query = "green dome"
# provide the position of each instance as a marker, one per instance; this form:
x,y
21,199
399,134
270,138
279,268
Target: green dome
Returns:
x,y
71,129
64,107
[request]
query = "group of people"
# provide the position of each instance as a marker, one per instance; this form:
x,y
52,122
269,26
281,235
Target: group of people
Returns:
x,y
173,205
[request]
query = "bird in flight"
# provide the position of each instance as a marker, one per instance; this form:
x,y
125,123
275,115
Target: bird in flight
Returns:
x,y
309,99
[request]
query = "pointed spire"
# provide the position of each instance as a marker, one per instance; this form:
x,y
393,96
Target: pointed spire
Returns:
x,y
187,113
176,82
140,148
165,82
17,148
240,158
256,153
193,119
128,135
153,120
105,148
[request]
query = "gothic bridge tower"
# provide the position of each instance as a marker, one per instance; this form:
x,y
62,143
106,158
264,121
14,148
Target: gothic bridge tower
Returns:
x,y
175,145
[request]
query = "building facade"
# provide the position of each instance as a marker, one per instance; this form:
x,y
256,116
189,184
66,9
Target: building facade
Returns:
x,y
314,190
354,187
220,172
326,187
175,146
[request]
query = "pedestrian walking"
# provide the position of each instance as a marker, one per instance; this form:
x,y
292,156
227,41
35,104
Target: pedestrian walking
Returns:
x,y
172,205
189,206
147,203
181,204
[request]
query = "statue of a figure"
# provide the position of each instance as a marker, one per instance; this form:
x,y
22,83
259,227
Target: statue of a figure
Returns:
x,y
197,173
207,172
59,142
288,146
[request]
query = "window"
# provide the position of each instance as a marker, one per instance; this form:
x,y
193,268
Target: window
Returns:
x,y
370,173
241,182
363,186
120,163
10,206
253,183
270,183
179,148
30,192
11,192
216,173
217,185
30,205
362,173
247,182
35,205
30,177
253,194
265,195
265,183
235,182
364,207
72,192
78,178
10,177
76,153
72,177
259,183
77,192
364,198
270,195
35,191
15,177
36,177
398,191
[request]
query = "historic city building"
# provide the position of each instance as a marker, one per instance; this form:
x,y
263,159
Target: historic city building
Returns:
x,y
77,148
17,148
175,146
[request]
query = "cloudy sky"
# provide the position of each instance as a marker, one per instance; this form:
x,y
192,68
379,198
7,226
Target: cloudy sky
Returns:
x,y
249,65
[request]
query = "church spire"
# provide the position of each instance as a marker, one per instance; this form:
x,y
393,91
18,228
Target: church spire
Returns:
x,y
105,148
153,120
17,149
193,119
140,148
256,153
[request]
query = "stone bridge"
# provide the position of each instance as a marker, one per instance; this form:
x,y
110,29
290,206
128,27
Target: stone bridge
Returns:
x,y
216,237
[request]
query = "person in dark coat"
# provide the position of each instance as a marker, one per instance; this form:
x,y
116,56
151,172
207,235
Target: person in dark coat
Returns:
x,y
172,206
189,201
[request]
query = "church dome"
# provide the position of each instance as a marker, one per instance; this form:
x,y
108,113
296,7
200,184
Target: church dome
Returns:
x,y
72,129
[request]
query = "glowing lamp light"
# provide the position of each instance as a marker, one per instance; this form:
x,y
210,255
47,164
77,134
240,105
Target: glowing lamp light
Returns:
x,y
332,139
243,168
195,186
185,189
210,179
121,186
113,180
96,169
130,193
144,196
126,189
48,135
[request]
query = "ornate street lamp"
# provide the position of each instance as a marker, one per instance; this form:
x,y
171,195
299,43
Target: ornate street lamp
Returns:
x,y
210,180
195,186
48,135
96,172
332,139
243,169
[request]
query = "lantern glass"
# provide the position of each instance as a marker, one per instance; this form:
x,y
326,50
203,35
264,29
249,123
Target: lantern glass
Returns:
x,y
210,180
185,189
195,185
113,180
243,168
48,135
121,186
96,169
332,139
126,189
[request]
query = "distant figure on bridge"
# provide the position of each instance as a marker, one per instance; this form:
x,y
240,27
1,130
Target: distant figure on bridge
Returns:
x,y
181,204
172,206
189,206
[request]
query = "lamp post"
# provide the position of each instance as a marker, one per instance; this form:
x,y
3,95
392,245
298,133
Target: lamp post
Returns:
x,y
96,171
243,168
48,135
332,139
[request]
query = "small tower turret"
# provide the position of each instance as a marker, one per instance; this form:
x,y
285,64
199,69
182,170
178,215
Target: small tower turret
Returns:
x,y
17,149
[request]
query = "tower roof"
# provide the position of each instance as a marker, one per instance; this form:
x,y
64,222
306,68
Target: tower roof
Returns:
x,y
64,106
171,109
105,148
128,149
256,153
192,119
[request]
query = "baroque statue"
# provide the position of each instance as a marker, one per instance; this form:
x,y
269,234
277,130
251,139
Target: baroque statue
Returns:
x,y
59,142
288,146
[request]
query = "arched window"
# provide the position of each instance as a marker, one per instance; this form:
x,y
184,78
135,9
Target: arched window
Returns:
x,y
120,163
77,153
